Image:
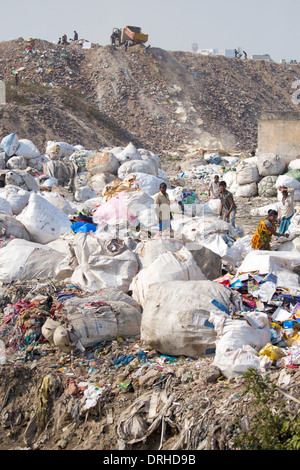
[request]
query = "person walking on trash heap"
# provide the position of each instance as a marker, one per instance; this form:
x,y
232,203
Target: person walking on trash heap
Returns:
x,y
286,208
214,188
75,36
162,209
59,41
266,228
17,79
228,206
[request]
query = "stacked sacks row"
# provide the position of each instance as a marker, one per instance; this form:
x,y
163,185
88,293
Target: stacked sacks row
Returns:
x,y
262,175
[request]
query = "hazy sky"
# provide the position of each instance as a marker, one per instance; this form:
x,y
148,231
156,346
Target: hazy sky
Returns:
x,y
258,26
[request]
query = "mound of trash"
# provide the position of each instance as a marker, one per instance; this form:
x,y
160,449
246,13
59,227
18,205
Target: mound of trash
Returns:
x,y
111,305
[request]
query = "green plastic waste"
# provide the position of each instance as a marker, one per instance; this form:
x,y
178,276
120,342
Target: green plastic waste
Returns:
x,y
294,174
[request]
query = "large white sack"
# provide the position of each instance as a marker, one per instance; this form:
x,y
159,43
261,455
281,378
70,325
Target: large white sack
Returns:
x,y
148,155
25,260
282,264
232,255
295,223
246,190
290,245
2,160
87,206
9,144
247,173
22,179
64,171
5,207
271,164
263,211
43,220
27,149
79,157
128,153
16,163
56,150
137,166
10,227
141,206
17,197
177,266
294,165
288,181
230,179
198,228
149,183
149,250
175,318
38,162
105,162
100,180
98,318
233,336
84,193
267,186
58,201
98,265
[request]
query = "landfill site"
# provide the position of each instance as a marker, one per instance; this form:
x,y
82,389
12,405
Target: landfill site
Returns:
x,y
138,311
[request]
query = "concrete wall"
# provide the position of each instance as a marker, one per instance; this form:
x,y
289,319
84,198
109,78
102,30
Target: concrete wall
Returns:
x,y
279,132
2,93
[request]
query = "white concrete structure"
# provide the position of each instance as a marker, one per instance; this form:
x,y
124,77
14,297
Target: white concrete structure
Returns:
x,y
2,93
224,52
266,57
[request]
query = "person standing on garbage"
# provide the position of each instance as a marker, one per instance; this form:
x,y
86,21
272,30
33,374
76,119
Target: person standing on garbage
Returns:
x,y
261,240
214,188
228,206
286,208
75,36
162,209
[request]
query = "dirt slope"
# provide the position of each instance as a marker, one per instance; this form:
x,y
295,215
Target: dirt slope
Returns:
x,y
159,100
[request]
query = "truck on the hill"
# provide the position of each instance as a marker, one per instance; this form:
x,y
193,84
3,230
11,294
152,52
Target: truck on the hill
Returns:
x,y
130,34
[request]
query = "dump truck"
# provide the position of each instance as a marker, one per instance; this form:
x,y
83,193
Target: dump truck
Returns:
x,y
130,34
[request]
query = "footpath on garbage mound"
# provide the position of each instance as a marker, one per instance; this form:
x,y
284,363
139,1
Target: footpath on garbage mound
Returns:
x,y
116,337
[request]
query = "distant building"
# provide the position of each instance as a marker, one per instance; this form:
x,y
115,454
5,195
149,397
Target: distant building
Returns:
x,y
265,57
224,52
2,93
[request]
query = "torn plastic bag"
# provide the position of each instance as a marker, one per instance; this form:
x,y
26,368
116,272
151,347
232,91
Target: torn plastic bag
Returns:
x,y
233,335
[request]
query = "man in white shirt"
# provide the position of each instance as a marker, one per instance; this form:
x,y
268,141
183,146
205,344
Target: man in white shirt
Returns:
x,y
214,189
286,208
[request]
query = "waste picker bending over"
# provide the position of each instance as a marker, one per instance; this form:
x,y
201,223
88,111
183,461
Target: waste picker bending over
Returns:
x,y
266,228
228,206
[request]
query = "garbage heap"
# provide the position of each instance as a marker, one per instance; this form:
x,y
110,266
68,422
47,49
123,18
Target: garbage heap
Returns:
x,y
85,274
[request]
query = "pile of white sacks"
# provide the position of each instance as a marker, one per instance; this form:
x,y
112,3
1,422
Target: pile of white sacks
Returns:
x,y
166,285
262,175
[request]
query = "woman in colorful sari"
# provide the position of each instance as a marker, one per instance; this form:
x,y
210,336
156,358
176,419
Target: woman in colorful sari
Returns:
x,y
261,240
